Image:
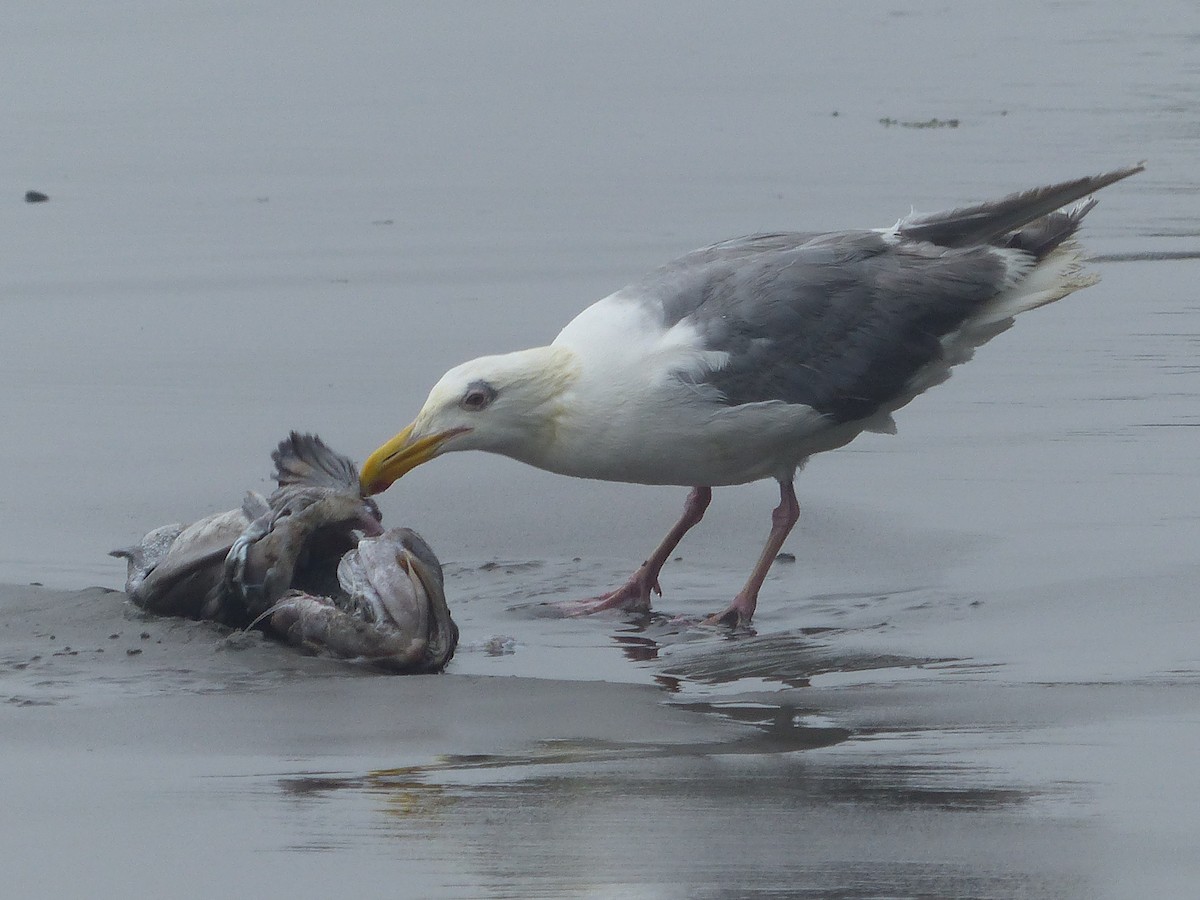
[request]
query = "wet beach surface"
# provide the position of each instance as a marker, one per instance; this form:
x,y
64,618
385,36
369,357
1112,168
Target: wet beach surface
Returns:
x,y
978,678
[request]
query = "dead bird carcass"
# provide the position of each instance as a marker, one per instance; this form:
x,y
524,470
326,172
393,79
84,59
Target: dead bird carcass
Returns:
x,y
294,565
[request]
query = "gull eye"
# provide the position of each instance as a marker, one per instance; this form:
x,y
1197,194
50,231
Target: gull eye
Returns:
x,y
479,395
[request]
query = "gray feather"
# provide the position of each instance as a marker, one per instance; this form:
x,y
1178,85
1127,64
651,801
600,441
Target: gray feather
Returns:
x,y
844,322
837,322
306,460
986,222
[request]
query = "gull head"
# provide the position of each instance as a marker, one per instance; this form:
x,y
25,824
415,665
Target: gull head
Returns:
x,y
505,404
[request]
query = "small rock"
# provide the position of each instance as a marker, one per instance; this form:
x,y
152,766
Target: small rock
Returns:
x,y
500,645
145,635
35,197
133,651
785,557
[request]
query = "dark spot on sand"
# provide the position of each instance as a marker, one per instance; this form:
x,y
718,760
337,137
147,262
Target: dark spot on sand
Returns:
x,y
145,635
35,197
133,651
785,557
888,122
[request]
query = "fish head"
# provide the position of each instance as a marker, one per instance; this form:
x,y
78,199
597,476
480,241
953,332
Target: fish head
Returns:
x,y
396,579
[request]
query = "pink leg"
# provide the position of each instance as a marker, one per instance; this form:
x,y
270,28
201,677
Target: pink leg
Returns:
x,y
634,594
740,611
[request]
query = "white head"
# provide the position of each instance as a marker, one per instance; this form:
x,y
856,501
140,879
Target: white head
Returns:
x,y
502,404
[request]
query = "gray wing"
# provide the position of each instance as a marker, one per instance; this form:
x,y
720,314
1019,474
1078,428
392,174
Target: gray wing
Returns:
x,y
844,322
841,323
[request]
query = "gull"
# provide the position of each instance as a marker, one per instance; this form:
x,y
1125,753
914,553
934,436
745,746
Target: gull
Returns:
x,y
737,362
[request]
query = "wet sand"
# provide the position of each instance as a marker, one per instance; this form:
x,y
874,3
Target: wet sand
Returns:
x,y
841,760
979,678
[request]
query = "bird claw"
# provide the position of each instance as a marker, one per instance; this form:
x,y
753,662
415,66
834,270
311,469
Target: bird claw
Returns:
x,y
735,616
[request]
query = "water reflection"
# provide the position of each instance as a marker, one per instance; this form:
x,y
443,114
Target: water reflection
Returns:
x,y
645,820
685,655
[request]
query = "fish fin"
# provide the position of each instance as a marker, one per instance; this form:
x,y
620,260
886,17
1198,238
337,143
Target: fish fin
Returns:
x,y
305,459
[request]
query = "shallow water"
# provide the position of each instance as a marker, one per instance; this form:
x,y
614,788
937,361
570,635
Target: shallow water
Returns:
x,y
978,678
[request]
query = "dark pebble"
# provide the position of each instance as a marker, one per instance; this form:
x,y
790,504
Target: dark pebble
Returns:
x,y
114,636
786,557
35,197
133,651
145,635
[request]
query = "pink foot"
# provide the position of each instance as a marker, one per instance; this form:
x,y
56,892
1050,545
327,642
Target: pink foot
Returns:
x,y
632,596
736,615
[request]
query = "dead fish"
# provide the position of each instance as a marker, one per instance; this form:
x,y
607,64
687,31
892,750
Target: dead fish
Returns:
x,y
233,565
297,543
391,611
311,564
143,557
174,575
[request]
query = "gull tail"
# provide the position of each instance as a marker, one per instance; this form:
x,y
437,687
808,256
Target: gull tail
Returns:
x,y
997,220
1033,234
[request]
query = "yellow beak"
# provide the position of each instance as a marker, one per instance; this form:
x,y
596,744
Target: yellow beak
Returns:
x,y
398,456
